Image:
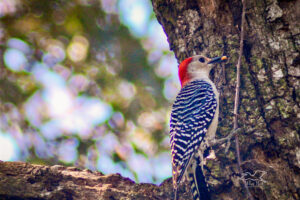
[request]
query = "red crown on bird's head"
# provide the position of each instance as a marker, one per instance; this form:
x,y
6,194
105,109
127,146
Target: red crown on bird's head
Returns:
x,y
182,71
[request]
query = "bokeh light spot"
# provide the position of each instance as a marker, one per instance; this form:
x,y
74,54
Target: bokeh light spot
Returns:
x,y
78,48
127,90
19,44
68,150
8,148
171,89
135,14
15,59
8,7
109,6
166,66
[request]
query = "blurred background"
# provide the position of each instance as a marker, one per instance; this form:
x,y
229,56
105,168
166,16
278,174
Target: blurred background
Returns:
x,y
86,83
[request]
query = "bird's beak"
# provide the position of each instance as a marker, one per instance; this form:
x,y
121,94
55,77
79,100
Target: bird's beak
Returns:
x,y
217,59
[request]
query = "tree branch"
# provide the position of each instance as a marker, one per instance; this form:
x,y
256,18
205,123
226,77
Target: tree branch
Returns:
x,y
237,97
20,180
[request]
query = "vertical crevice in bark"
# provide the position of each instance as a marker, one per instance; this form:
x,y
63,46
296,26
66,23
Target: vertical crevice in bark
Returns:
x,y
259,98
286,75
270,85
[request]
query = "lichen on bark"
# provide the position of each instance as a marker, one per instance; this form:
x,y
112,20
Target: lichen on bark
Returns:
x,y
270,86
269,108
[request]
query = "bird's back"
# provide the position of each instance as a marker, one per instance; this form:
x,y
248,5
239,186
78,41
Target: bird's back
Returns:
x,y
192,113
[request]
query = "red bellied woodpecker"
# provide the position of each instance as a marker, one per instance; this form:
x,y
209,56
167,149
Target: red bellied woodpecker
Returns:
x,y
194,121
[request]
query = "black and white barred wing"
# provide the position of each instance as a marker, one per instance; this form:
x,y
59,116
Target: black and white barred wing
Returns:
x,y
192,113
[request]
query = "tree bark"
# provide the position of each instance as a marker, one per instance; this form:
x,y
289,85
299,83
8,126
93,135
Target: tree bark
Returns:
x,y
270,88
26,181
269,107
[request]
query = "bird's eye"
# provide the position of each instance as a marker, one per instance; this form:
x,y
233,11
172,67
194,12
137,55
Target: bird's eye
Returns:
x,y
202,59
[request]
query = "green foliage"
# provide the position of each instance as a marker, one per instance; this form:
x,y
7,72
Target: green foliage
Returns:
x,y
80,49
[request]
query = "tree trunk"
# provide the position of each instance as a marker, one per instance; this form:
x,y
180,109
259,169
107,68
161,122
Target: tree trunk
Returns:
x,y
269,105
269,100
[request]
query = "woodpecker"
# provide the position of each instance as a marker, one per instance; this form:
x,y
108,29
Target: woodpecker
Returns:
x,y
193,123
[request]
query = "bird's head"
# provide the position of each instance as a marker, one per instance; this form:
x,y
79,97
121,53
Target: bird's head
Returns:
x,y
197,67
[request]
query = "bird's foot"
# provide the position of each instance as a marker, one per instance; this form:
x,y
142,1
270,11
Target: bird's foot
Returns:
x,y
226,139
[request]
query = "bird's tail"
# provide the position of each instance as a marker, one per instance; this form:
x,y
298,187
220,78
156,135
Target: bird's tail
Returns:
x,y
198,184
175,194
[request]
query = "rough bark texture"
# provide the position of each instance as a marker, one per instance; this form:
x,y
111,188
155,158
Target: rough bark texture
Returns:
x,y
269,103
25,181
270,87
